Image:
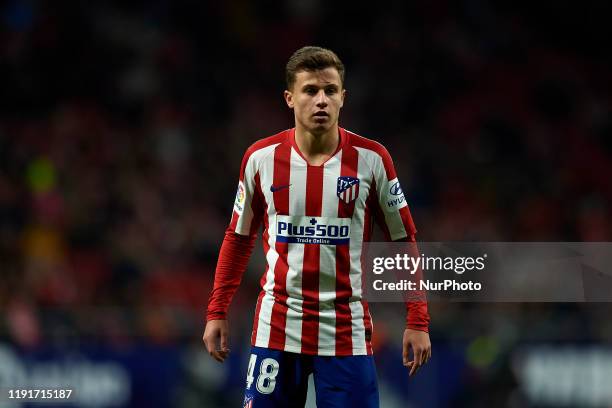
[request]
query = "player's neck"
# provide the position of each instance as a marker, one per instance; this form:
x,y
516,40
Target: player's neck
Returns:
x,y
317,148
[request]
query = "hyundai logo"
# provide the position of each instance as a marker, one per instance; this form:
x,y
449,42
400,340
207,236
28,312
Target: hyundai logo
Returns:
x,y
396,189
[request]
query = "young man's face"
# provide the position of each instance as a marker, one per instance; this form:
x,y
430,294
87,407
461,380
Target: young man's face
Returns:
x,y
316,99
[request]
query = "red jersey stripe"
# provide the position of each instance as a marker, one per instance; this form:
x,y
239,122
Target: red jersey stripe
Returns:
x,y
234,220
407,221
367,322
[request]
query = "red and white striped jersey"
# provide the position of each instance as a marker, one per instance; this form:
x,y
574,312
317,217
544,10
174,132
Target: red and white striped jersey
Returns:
x,y
315,220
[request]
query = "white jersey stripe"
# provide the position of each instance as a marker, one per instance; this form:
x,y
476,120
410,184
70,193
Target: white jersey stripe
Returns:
x,y
295,257
265,315
358,332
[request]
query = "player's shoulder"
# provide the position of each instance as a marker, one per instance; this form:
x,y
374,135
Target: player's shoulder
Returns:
x,y
267,143
367,144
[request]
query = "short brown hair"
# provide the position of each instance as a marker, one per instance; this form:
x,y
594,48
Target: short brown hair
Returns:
x,y
312,59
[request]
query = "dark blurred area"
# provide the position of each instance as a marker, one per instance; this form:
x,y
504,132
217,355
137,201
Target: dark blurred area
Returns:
x,y
122,127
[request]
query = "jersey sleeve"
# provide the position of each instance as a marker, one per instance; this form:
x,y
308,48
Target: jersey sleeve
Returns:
x,y
393,215
231,265
392,212
417,313
238,241
248,204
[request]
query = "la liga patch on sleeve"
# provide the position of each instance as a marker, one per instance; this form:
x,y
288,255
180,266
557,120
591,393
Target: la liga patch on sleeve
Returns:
x,y
240,198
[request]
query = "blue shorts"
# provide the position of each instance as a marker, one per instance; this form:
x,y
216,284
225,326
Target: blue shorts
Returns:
x,y
278,379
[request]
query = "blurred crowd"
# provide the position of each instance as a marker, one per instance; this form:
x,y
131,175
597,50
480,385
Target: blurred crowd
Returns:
x,y
122,127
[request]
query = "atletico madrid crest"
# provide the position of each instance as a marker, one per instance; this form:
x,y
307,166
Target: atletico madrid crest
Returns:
x,y
348,188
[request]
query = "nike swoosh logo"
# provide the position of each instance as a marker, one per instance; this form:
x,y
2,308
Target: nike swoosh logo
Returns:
x,y
274,189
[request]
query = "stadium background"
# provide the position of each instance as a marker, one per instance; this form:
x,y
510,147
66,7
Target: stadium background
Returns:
x,y
122,127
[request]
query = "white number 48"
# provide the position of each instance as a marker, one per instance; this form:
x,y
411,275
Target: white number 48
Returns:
x,y
266,380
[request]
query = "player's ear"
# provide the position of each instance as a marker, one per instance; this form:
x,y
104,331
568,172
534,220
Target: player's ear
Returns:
x,y
288,95
342,97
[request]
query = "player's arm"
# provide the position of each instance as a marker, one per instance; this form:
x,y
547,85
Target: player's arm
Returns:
x,y
393,215
234,255
233,260
416,334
